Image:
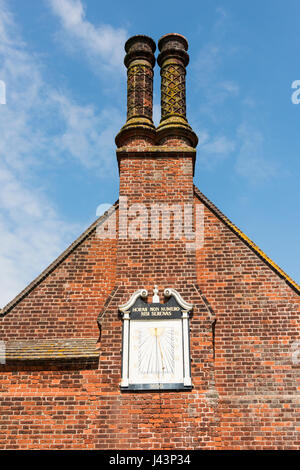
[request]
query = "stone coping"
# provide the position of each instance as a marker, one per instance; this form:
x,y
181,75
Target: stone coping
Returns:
x,y
49,349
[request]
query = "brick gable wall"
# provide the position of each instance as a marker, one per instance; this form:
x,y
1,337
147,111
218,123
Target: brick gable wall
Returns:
x,y
66,302
257,324
254,403
244,321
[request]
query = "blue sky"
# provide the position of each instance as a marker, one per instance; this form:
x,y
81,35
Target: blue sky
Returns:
x,y
62,63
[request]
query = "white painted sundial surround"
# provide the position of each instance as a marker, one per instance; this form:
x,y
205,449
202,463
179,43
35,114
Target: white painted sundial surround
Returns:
x,y
156,352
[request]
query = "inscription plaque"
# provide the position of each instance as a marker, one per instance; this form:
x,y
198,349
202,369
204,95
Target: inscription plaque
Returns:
x,y
155,311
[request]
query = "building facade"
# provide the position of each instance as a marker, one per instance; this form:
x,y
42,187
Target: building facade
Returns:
x,y
162,326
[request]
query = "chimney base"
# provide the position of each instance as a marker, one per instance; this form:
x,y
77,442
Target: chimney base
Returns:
x,y
136,130
175,130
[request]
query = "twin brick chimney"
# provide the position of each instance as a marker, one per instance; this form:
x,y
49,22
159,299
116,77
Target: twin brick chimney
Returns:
x,y
173,58
156,164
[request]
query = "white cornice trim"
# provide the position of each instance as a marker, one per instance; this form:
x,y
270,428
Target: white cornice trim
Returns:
x,y
139,293
169,291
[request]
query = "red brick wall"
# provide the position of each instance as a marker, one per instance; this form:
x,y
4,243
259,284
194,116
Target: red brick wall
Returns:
x,y
155,179
257,322
66,303
67,408
255,401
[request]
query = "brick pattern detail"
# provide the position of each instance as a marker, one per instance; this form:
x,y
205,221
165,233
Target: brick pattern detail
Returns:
x,y
173,91
139,91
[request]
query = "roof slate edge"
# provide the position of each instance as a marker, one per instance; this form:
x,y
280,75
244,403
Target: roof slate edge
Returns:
x,y
50,349
247,240
8,307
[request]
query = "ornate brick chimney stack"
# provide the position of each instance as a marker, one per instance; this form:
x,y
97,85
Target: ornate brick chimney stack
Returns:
x,y
174,129
139,61
156,172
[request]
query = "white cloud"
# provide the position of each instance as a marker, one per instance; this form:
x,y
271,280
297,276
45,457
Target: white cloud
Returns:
x,y
156,113
214,150
103,44
248,154
39,126
86,134
208,73
251,162
31,234
230,87
206,63
219,145
247,147
207,77
249,102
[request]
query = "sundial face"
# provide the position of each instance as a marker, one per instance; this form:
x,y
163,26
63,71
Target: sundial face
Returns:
x,y
155,351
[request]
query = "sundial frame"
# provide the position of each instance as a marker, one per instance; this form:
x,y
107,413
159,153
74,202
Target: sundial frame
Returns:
x,y
156,345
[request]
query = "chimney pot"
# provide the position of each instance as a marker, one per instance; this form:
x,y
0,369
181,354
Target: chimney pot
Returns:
x,y
174,128
173,45
139,47
139,60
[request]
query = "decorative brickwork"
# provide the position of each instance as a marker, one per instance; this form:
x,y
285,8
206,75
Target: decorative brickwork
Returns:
x,y
173,91
140,87
139,61
173,59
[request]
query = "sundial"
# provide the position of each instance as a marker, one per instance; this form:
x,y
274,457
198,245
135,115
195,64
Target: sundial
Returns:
x,y
155,353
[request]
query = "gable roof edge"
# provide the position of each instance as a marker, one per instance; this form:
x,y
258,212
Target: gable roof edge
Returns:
x,y
247,240
44,274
